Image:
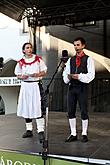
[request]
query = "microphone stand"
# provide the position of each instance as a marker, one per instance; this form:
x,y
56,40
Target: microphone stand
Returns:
x,y
45,142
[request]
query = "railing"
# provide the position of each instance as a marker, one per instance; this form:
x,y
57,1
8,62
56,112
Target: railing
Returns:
x,y
98,98
100,95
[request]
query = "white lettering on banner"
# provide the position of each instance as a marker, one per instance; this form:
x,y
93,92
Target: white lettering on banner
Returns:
x,y
17,163
25,163
9,81
2,161
10,162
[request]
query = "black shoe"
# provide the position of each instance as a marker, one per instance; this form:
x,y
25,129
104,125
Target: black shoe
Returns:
x,y
41,136
84,138
27,134
71,138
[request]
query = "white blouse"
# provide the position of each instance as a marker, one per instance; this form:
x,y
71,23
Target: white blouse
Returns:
x,y
28,69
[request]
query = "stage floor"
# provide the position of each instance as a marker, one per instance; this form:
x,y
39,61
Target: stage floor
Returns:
x,y
98,146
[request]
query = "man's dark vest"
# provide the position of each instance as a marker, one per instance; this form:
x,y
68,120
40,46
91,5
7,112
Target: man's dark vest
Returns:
x,y
81,69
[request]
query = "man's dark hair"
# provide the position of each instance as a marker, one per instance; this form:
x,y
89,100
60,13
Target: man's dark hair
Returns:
x,y
81,39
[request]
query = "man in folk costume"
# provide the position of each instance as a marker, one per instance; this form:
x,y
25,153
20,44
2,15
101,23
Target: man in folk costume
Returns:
x,y
30,69
79,71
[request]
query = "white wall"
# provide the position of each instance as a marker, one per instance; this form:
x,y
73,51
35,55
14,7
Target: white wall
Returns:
x,y
11,38
11,41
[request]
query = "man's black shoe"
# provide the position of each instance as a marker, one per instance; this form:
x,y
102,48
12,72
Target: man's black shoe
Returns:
x,y
41,136
27,134
71,138
84,138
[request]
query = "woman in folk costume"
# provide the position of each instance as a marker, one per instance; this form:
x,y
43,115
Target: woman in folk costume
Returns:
x,y
79,71
30,69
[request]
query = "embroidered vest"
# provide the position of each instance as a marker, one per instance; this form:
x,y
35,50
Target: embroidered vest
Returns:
x,y
81,69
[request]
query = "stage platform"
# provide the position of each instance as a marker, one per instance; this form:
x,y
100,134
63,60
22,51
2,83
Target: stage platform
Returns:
x,y
96,150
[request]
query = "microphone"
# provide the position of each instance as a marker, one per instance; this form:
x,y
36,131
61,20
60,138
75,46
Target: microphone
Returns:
x,y
64,57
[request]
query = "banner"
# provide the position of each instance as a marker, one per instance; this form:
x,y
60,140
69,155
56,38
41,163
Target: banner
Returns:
x,y
9,81
16,158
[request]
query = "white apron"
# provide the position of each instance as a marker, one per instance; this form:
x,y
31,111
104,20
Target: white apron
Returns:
x,y
29,104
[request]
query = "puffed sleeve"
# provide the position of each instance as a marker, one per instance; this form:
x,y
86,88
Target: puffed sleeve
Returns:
x,y
66,72
18,69
43,66
90,75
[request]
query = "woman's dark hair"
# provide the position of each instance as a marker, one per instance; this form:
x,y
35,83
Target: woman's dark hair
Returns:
x,y
23,47
80,39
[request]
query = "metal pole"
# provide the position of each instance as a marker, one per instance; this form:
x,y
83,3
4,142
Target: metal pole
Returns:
x,y
34,40
45,143
105,37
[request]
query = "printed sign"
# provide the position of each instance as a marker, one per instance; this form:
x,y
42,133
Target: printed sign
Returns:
x,y
9,81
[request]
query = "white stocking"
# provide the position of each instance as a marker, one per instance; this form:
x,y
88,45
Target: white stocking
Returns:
x,y
72,123
29,126
84,127
40,124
